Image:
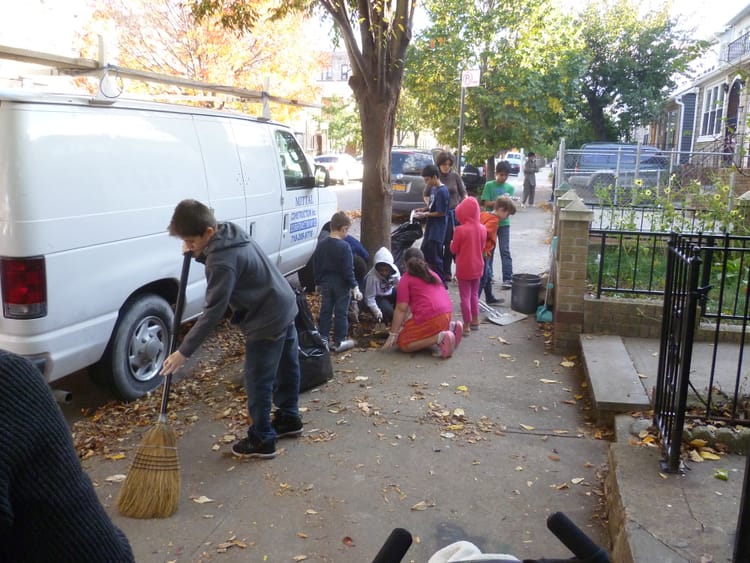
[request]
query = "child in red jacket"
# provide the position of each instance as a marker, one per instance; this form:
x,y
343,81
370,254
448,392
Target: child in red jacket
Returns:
x,y
502,209
467,245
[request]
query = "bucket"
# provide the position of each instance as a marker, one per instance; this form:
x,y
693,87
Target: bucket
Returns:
x,y
524,293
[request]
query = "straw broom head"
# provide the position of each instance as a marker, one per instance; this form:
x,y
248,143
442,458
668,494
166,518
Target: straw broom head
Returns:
x,y
152,487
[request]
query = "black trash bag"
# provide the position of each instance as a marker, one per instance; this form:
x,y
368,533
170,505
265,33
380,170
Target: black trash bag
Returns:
x,y
402,238
314,359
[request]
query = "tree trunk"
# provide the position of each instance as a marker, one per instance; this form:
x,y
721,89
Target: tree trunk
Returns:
x,y
377,138
596,115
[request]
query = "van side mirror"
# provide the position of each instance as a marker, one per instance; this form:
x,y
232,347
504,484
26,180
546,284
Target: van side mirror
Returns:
x,y
322,177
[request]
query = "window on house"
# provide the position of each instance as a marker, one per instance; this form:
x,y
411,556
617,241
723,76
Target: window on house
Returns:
x,y
326,73
713,107
346,70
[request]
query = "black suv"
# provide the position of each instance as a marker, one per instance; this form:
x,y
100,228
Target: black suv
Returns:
x,y
604,165
407,183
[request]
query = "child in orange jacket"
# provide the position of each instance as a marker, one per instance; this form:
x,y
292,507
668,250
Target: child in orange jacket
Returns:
x,y
502,208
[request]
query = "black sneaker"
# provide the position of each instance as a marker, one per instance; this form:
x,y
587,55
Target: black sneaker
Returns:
x,y
492,300
254,447
286,426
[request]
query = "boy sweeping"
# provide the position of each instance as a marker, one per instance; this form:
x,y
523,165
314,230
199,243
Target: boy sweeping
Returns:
x,y
240,277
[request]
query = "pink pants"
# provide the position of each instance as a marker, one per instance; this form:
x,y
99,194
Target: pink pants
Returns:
x,y
468,291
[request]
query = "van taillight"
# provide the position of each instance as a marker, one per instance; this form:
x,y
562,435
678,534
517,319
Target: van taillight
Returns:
x,y
24,285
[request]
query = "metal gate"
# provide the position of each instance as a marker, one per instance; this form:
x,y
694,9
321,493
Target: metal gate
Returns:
x,y
681,298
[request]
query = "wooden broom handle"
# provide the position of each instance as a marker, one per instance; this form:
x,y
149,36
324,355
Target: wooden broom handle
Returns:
x,y
178,309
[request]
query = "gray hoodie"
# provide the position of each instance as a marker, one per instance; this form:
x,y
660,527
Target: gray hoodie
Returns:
x,y
375,284
239,276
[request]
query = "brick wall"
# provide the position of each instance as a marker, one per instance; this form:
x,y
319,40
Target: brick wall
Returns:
x,y
624,317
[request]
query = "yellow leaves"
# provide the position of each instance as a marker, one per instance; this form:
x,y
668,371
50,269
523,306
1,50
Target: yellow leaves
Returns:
x,y
549,381
505,356
115,457
201,499
231,542
567,364
709,455
721,474
527,427
462,388
423,505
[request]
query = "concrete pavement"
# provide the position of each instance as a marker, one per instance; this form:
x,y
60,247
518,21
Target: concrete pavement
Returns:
x,y
480,447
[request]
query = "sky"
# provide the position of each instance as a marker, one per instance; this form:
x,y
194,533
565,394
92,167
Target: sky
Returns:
x,y
50,25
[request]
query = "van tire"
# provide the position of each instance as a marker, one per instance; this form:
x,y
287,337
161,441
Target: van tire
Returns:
x,y
138,347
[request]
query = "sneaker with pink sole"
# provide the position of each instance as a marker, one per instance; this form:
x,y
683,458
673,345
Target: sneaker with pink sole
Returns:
x,y
457,328
446,343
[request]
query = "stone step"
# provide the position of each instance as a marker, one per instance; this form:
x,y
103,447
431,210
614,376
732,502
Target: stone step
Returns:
x,y
612,377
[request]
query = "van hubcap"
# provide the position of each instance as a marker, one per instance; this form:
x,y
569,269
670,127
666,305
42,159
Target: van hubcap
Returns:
x,y
147,348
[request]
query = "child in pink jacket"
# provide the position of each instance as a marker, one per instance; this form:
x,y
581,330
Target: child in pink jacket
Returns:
x,y
467,245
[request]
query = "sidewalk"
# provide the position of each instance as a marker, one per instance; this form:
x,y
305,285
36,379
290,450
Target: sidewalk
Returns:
x,y
480,447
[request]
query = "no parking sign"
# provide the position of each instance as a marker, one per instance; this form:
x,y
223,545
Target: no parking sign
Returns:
x,y
470,78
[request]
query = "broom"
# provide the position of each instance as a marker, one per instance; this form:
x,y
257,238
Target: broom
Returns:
x,y
152,486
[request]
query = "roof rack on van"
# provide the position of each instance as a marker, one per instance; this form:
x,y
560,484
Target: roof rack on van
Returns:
x,y
80,66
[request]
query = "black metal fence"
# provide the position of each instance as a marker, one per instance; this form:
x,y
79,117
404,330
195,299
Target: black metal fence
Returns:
x,y
681,297
683,294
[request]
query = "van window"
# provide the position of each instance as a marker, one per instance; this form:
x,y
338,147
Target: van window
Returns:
x,y
293,161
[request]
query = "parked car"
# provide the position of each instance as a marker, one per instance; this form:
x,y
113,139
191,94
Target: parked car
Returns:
x,y
515,159
407,183
341,167
473,178
601,165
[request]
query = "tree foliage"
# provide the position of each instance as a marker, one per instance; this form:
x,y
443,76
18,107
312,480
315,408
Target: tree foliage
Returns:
x,y
525,52
163,36
344,132
632,60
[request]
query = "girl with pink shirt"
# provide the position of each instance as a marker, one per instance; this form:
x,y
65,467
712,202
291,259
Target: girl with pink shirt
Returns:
x,y
422,317
467,244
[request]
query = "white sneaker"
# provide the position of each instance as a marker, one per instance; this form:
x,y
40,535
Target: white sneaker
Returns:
x,y
345,345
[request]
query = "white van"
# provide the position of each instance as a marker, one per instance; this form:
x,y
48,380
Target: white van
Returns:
x,y
88,272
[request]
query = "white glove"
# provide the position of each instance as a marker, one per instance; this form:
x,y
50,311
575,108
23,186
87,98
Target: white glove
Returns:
x,y
379,316
356,294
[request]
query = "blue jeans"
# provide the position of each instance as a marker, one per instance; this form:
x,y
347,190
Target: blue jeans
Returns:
x,y
334,303
503,248
433,255
271,376
486,282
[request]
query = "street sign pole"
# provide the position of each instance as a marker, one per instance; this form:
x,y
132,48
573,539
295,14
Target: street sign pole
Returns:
x,y
460,131
469,79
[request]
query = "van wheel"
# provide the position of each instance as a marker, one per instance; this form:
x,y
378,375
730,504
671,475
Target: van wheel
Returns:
x,y
138,347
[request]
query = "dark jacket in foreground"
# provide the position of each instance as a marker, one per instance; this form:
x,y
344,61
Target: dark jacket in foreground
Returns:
x,y
49,510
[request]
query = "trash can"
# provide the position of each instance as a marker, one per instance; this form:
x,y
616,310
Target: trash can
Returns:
x,y
524,293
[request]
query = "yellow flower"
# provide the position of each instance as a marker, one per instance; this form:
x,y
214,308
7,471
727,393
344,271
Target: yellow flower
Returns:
x,y
638,182
648,192
717,197
667,190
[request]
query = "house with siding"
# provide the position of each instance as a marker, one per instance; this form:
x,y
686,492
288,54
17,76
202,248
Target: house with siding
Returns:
x,y
706,122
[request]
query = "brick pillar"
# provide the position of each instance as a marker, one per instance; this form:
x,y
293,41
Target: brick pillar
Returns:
x,y
570,274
